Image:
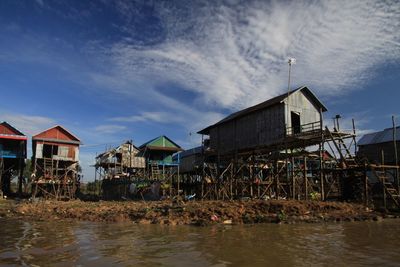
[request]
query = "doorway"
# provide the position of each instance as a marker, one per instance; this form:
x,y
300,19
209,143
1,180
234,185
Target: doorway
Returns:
x,y
296,126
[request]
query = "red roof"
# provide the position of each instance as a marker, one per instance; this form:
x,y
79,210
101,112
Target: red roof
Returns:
x,y
9,132
57,133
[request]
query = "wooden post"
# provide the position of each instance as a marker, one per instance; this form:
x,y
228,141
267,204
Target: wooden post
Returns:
x,y
354,137
179,176
231,181
293,179
321,172
365,186
321,147
382,180
276,180
20,167
395,153
305,178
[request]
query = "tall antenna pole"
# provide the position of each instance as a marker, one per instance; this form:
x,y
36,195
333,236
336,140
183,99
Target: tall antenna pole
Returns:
x,y
291,61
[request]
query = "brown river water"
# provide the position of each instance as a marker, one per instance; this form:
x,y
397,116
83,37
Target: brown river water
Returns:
x,y
60,243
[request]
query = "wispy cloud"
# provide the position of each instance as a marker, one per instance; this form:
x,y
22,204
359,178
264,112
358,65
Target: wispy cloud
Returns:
x,y
28,125
159,117
109,128
225,55
40,2
234,56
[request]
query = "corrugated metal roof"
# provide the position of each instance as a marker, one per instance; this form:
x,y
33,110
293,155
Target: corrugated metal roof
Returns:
x,y
379,137
161,142
192,151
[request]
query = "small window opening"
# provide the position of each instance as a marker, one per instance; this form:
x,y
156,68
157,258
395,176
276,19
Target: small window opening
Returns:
x,y
49,151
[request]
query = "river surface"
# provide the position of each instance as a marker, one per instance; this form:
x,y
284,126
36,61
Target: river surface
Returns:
x,y
60,243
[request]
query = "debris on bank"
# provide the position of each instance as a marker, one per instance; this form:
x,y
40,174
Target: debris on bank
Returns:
x,y
197,212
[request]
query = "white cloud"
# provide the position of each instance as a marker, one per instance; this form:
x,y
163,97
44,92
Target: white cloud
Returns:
x,y
28,125
109,128
40,2
234,56
159,117
227,56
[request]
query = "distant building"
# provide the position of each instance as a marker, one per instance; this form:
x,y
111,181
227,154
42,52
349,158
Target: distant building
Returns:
x,y
12,156
290,114
55,163
190,161
121,161
372,145
158,153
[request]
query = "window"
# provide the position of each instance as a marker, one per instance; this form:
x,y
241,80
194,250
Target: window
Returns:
x,y
63,151
49,151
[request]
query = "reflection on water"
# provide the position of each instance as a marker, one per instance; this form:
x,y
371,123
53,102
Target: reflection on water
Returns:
x,y
96,244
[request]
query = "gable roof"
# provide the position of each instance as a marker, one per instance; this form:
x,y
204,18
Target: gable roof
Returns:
x,y
117,149
266,104
9,132
161,143
379,137
43,136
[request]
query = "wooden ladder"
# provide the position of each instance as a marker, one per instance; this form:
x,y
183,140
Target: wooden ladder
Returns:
x,y
155,171
48,167
345,154
391,192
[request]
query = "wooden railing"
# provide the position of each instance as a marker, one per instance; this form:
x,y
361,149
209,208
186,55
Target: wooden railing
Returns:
x,y
304,128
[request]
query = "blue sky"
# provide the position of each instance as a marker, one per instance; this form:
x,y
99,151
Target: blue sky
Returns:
x,y
110,71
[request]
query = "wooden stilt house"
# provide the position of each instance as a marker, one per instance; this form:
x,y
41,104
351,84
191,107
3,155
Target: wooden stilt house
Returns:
x,y
55,163
12,156
295,113
158,153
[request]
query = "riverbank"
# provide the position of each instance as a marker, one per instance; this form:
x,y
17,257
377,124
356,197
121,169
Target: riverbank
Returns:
x,y
191,213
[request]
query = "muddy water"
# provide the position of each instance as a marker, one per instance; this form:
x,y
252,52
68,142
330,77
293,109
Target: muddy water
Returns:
x,y
96,244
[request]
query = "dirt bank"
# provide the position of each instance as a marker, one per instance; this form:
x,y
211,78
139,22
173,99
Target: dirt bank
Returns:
x,y
194,213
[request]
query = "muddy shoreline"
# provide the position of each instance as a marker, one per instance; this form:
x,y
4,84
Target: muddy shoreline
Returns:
x,y
199,213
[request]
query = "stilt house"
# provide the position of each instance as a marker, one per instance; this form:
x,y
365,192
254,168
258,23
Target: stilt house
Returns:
x,y
379,147
270,122
158,153
55,158
12,156
121,161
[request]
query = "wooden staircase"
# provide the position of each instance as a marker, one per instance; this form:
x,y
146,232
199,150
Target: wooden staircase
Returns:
x,y
48,167
342,148
390,192
155,171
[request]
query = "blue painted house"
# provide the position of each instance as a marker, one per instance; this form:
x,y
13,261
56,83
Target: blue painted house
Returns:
x,y
12,156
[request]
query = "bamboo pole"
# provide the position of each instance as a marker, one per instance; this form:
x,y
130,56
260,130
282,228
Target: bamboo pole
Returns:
x,y
382,180
395,153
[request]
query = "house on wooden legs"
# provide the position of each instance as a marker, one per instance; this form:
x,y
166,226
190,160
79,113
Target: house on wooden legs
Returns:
x,y
158,153
12,157
118,168
295,113
55,164
379,147
258,151
119,162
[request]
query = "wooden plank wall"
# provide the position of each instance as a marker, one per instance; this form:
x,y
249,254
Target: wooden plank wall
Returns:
x,y
253,130
374,155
